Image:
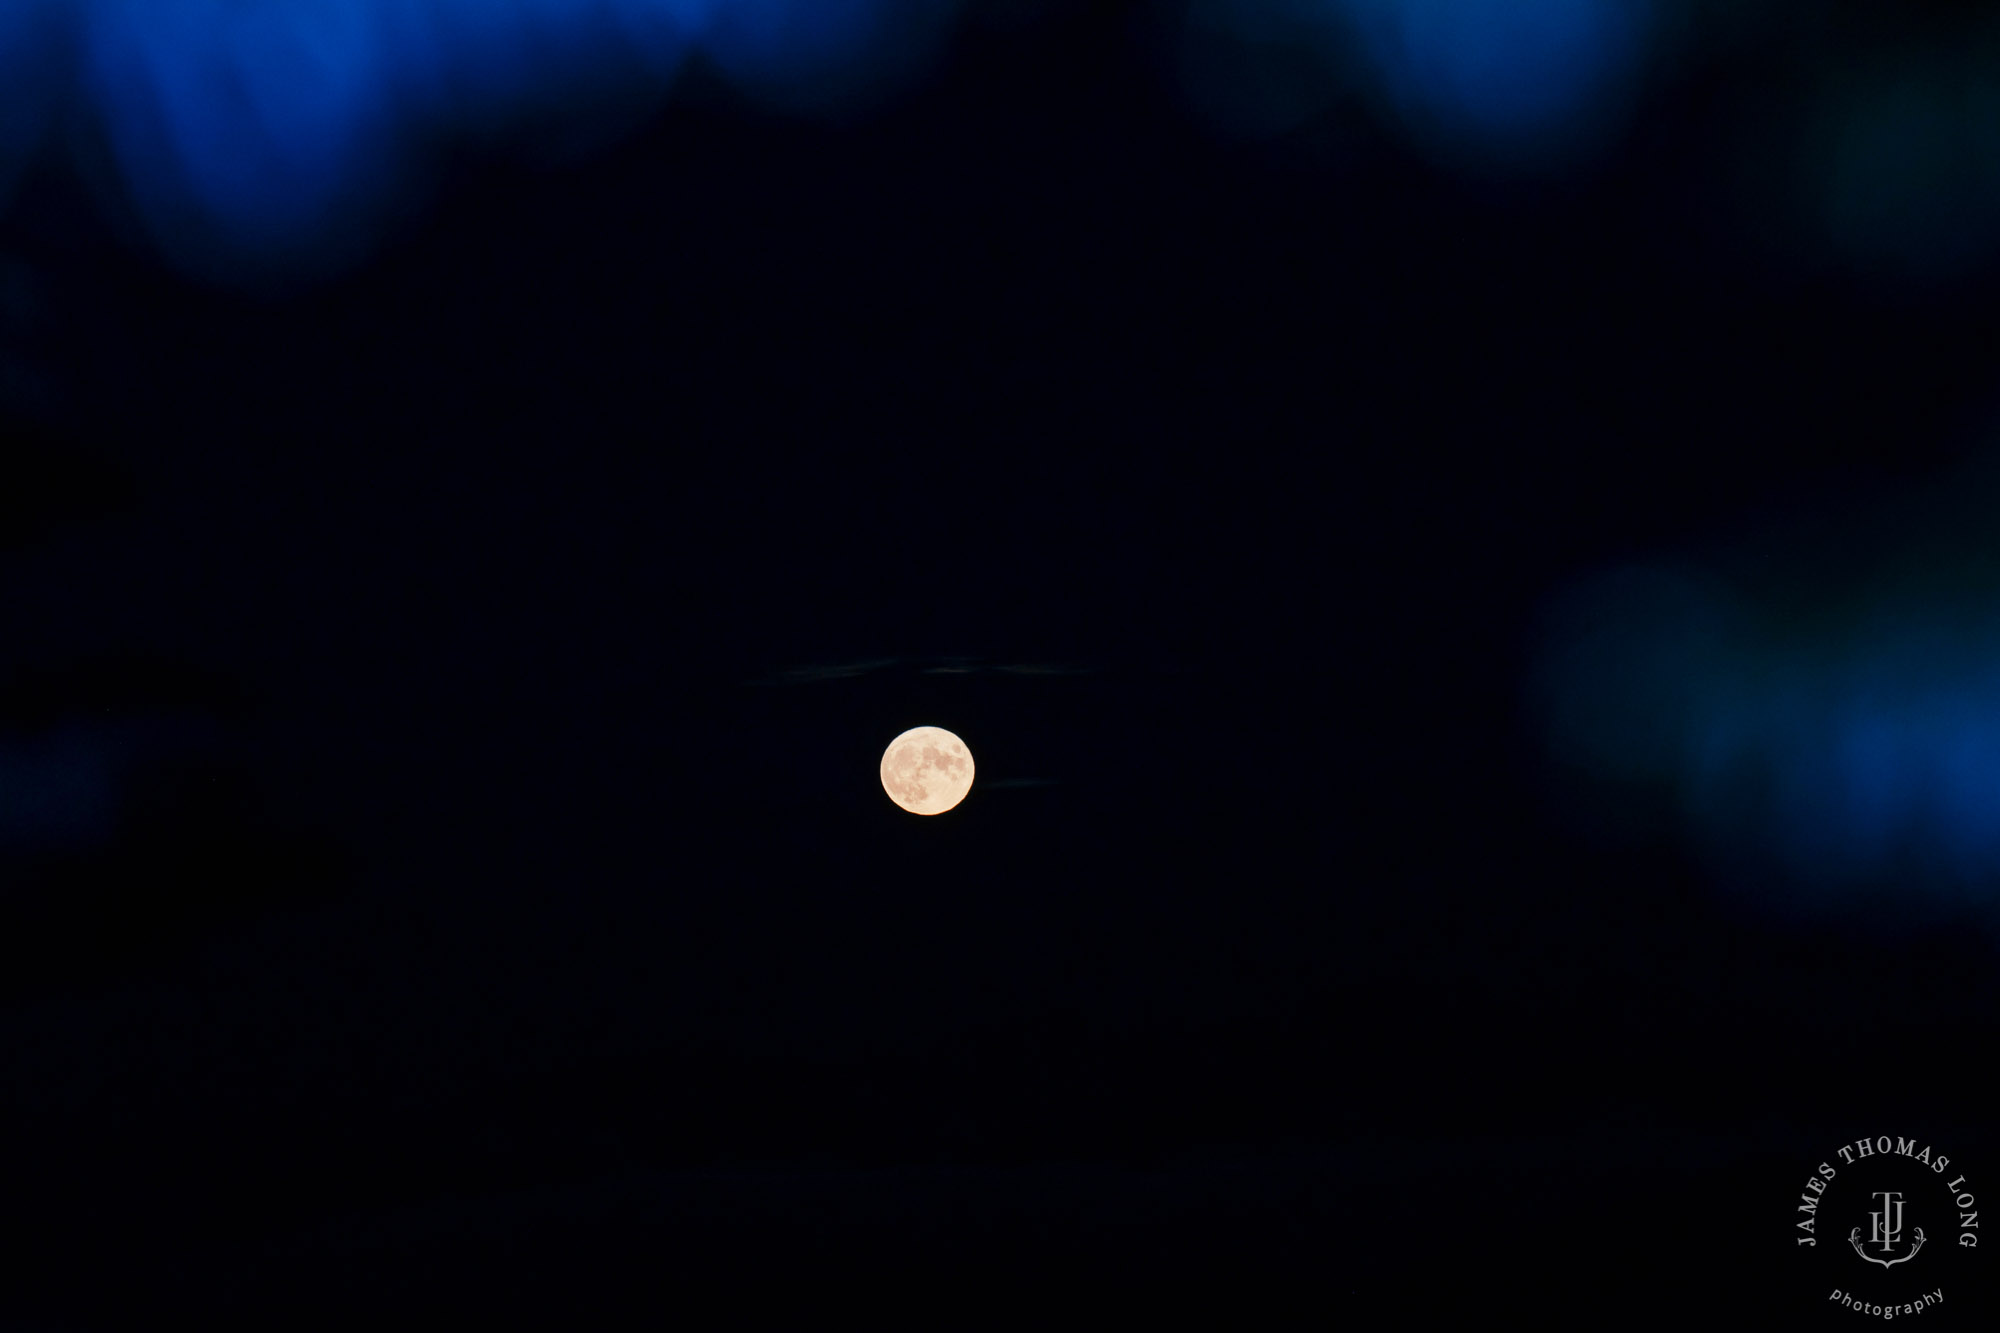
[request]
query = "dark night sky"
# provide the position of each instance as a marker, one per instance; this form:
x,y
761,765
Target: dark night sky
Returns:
x,y
498,913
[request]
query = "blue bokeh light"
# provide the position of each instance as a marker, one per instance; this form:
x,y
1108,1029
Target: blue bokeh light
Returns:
x,y
1817,762
259,138
475,64
270,122
279,130
825,53
1905,163
1485,83
1519,79
30,84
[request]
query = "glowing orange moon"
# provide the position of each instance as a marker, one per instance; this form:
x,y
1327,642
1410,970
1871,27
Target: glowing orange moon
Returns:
x,y
927,770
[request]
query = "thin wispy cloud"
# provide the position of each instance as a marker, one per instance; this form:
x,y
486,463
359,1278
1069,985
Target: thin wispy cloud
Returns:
x,y
812,675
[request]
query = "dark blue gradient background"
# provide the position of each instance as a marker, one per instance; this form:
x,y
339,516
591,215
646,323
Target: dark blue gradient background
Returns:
x,y
1457,532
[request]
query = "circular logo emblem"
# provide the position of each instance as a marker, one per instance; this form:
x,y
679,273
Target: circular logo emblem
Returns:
x,y
1889,1228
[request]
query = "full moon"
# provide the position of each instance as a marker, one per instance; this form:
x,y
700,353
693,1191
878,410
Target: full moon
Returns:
x,y
927,770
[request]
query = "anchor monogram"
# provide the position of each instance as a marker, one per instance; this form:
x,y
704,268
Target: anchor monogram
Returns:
x,y
1885,1229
